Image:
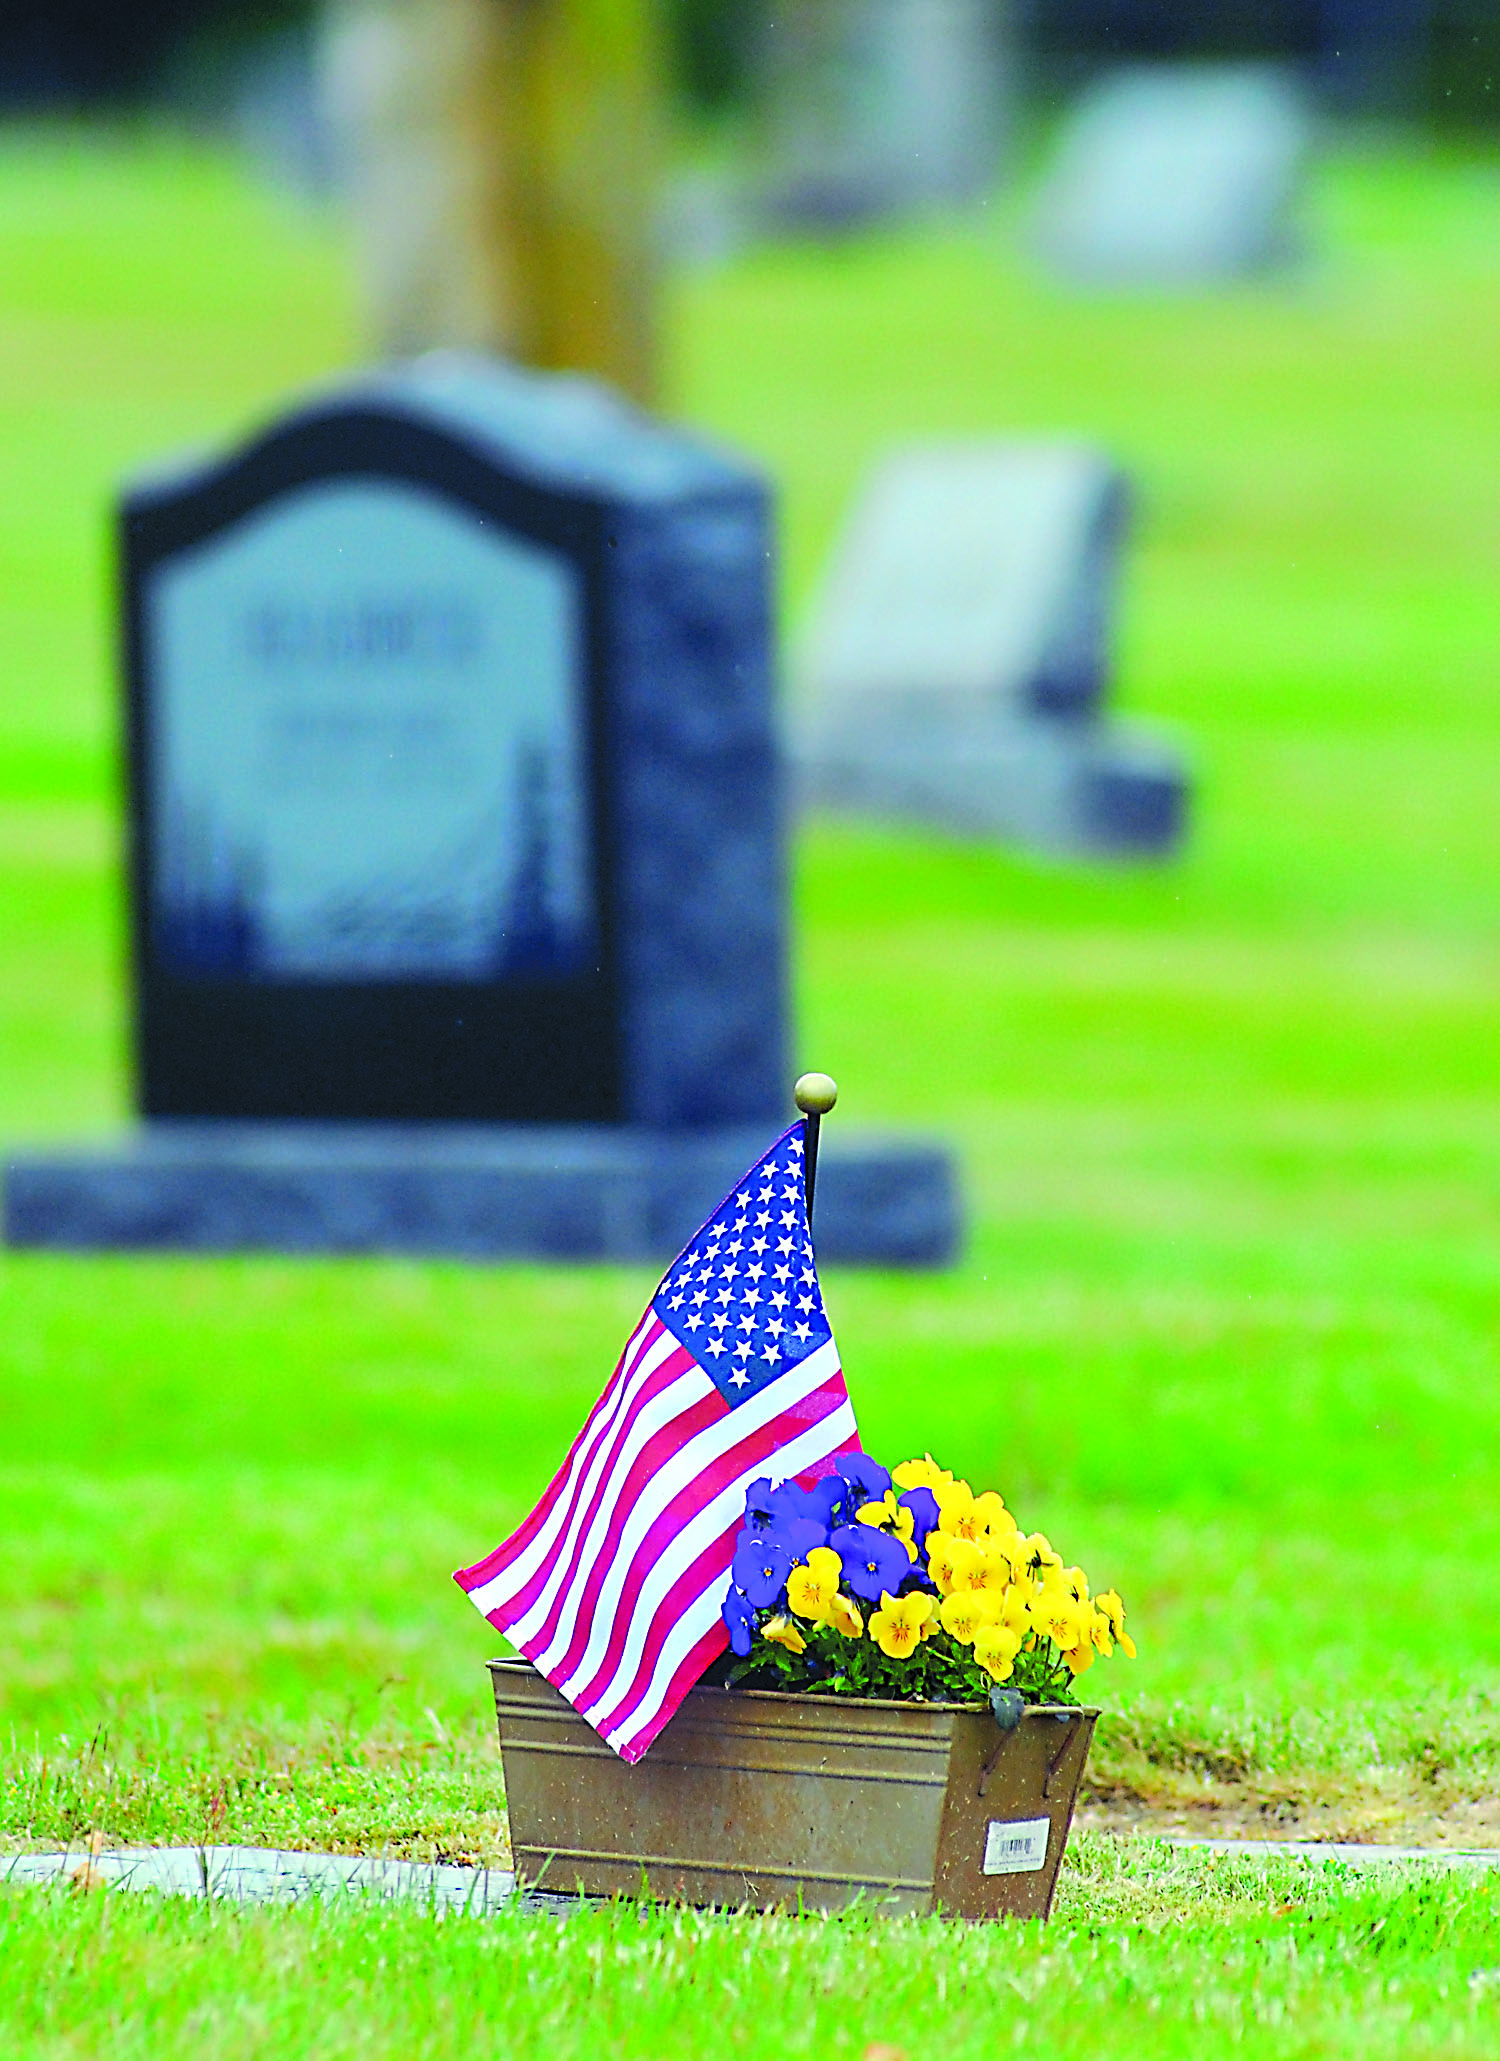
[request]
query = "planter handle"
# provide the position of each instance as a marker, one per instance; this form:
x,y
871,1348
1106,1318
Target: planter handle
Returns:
x,y
1074,1726
1009,1709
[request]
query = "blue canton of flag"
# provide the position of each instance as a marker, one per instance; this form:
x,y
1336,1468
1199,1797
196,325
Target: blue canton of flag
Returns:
x,y
744,1296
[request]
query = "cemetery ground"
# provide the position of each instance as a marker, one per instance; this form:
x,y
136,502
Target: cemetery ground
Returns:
x,y
1226,1328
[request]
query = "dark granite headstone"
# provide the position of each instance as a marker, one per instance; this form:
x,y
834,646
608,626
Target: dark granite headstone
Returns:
x,y
457,875
453,786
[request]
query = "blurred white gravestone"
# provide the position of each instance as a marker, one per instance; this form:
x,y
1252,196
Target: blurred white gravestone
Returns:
x,y
1175,175
957,660
876,106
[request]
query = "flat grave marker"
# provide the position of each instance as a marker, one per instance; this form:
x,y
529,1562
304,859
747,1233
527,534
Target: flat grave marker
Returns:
x,y
956,666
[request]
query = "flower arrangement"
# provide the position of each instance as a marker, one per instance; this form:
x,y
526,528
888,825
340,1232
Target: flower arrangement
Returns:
x,y
906,1584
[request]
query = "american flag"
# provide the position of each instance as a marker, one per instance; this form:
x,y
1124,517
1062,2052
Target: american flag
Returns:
x,y
613,1586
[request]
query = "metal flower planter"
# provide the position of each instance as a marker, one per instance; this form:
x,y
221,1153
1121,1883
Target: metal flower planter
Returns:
x,y
771,1801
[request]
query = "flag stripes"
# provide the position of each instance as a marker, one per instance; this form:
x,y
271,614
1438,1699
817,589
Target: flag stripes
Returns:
x,y
613,1587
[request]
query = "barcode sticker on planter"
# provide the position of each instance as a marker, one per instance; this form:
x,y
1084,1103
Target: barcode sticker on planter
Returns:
x,y
1016,1848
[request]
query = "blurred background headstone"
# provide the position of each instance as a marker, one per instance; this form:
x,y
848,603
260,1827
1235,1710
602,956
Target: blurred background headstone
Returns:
x,y
957,660
874,107
1175,175
273,92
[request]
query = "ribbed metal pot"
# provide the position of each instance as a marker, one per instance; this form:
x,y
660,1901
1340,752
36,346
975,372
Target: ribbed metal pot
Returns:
x,y
752,1798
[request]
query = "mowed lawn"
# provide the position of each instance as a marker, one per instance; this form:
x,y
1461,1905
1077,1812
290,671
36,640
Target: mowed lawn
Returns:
x,y
1227,1324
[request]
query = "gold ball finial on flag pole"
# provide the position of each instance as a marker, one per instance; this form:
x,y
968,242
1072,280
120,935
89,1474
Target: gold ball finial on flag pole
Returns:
x,y
815,1094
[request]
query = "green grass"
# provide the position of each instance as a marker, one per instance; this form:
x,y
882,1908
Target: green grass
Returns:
x,y
1283,1962
1227,1324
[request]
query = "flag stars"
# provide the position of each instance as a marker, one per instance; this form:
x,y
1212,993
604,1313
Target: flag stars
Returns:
x,y
745,1293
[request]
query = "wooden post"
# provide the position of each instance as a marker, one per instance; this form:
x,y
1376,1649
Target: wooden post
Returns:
x,y
502,158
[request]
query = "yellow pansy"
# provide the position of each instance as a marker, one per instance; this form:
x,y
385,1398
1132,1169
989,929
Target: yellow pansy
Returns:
x,y
782,1632
968,1516
1005,1543
956,1512
843,1615
1059,1616
986,1570
923,1473
995,1648
811,1589
1109,1624
1080,1658
993,1513
966,1612
897,1626
888,1516
1038,1555
1013,1610
949,1559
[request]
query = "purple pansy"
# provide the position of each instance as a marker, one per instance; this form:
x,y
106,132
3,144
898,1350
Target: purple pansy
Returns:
x,y
740,1619
787,1515
867,1479
791,1503
760,1509
760,1566
923,1506
873,1561
799,1535
832,1501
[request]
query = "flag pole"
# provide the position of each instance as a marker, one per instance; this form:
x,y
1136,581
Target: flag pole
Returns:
x,y
815,1095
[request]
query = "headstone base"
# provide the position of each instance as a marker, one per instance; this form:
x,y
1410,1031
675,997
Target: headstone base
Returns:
x,y
1085,788
476,1193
